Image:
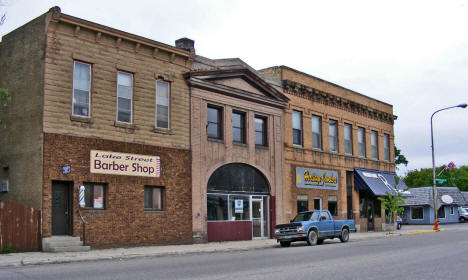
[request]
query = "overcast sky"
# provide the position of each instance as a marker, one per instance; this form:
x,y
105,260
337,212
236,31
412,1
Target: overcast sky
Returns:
x,y
411,54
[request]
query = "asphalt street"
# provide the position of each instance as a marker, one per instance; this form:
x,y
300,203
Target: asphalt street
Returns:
x,y
440,255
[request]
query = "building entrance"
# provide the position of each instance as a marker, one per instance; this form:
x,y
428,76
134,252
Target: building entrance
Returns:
x,y
61,208
237,204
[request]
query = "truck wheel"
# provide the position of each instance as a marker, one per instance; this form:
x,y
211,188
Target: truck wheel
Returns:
x,y
461,220
344,237
312,238
320,241
285,243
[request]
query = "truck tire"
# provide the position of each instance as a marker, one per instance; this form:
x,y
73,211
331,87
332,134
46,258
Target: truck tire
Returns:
x,y
312,238
344,236
285,243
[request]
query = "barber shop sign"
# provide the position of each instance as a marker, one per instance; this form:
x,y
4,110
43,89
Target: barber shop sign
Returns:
x,y
124,164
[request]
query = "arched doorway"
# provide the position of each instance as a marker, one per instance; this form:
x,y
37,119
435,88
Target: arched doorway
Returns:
x,y
237,203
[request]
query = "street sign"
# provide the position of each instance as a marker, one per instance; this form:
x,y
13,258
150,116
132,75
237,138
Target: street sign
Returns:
x,y
441,181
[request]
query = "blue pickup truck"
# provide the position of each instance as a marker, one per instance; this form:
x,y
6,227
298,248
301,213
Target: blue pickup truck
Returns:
x,y
313,227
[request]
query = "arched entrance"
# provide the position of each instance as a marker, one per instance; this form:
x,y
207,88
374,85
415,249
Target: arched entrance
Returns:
x,y
237,203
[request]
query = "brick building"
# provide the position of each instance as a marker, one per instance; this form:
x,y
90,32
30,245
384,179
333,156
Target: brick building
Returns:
x,y
97,107
332,136
237,151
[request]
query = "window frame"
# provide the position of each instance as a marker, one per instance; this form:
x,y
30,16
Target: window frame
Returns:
x,y
104,191
219,123
334,200
89,88
302,198
412,208
444,211
374,148
333,123
243,128
452,210
297,129
386,149
319,133
264,131
131,98
161,198
363,143
169,94
350,141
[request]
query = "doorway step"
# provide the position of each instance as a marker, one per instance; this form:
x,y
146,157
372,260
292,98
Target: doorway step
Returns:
x,y
63,243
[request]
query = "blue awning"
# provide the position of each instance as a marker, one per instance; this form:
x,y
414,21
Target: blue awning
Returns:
x,y
378,182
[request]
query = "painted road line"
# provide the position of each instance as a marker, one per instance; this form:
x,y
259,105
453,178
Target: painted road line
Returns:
x,y
425,231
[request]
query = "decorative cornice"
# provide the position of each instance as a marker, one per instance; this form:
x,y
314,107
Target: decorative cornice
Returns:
x,y
329,99
80,24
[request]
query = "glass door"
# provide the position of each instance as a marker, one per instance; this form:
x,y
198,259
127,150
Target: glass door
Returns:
x,y
258,230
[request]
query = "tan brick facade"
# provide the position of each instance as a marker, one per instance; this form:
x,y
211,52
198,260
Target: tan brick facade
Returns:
x,y
209,155
312,96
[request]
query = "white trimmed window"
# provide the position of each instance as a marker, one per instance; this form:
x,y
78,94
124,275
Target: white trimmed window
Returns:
x,y
333,135
348,139
374,145
386,145
162,104
81,89
361,133
124,97
316,132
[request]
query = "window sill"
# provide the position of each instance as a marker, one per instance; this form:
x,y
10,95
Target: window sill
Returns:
x,y
124,125
261,147
298,146
154,210
82,119
221,141
239,144
162,131
94,209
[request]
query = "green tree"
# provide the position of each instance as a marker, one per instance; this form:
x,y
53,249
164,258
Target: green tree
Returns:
x,y
423,177
5,98
392,202
399,157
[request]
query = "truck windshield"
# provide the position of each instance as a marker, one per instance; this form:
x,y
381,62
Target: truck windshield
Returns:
x,y
306,216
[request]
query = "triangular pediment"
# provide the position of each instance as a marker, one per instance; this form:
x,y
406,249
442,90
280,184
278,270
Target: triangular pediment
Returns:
x,y
242,81
239,83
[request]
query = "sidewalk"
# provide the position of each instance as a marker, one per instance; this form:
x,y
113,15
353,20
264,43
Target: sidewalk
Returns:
x,y
35,258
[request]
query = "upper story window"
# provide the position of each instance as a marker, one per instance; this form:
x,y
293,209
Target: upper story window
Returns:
x,y
214,118
386,146
238,127
316,132
361,138
162,104
297,127
81,89
260,131
124,96
333,133
348,139
374,145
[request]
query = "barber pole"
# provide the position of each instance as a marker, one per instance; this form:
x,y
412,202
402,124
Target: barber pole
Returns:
x,y
81,200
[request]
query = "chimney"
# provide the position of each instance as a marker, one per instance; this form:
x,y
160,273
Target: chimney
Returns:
x,y
186,44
